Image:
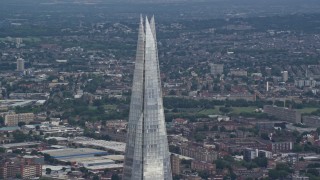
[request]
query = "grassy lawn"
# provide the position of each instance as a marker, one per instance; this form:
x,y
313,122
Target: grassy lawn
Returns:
x,y
238,110
28,39
235,110
210,111
307,110
92,107
110,107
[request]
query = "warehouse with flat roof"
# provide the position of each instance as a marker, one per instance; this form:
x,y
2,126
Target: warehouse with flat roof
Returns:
x,y
68,154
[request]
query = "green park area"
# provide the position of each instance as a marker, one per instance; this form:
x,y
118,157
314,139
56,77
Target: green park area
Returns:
x,y
234,110
26,39
308,110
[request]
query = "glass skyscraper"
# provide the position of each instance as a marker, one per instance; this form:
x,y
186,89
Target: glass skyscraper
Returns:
x,y
147,154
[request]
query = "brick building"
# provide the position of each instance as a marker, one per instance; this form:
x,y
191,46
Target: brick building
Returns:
x,y
24,167
198,153
203,166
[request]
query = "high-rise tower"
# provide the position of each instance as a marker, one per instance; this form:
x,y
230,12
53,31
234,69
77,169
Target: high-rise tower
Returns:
x,y
20,64
147,154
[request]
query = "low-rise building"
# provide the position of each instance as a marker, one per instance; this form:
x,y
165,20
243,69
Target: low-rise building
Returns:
x,y
238,72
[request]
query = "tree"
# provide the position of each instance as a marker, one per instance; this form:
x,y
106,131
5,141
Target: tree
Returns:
x,y
83,169
314,172
261,161
1,121
18,176
220,164
174,149
204,174
20,124
225,110
2,150
115,177
223,129
275,174
48,171
20,137
265,136
52,141
95,177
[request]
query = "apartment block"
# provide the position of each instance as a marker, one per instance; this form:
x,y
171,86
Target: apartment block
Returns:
x,y
25,167
312,121
14,119
203,166
282,113
216,69
199,153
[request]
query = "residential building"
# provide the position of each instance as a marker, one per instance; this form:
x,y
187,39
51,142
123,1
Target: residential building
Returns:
x,y
20,64
14,119
285,76
282,113
266,154
280,146
312,121
238,72
199,153
175,164
249,154
26,167
203,166
216,69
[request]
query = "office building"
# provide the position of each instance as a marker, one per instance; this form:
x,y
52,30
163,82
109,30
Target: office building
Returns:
x,y
20,64
147,154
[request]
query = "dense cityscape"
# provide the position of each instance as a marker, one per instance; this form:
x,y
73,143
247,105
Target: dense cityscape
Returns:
x,y
240,86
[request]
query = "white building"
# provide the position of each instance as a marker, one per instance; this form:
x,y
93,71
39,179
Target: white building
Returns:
x,y
285,76
216,69
20,64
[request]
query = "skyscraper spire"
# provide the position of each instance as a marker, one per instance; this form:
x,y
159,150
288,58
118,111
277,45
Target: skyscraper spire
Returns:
x,y
147,153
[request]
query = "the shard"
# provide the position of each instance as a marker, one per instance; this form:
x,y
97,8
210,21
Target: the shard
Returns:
x,y
147,154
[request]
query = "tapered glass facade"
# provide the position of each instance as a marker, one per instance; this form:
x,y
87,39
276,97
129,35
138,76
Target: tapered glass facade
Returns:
x,y
147,154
